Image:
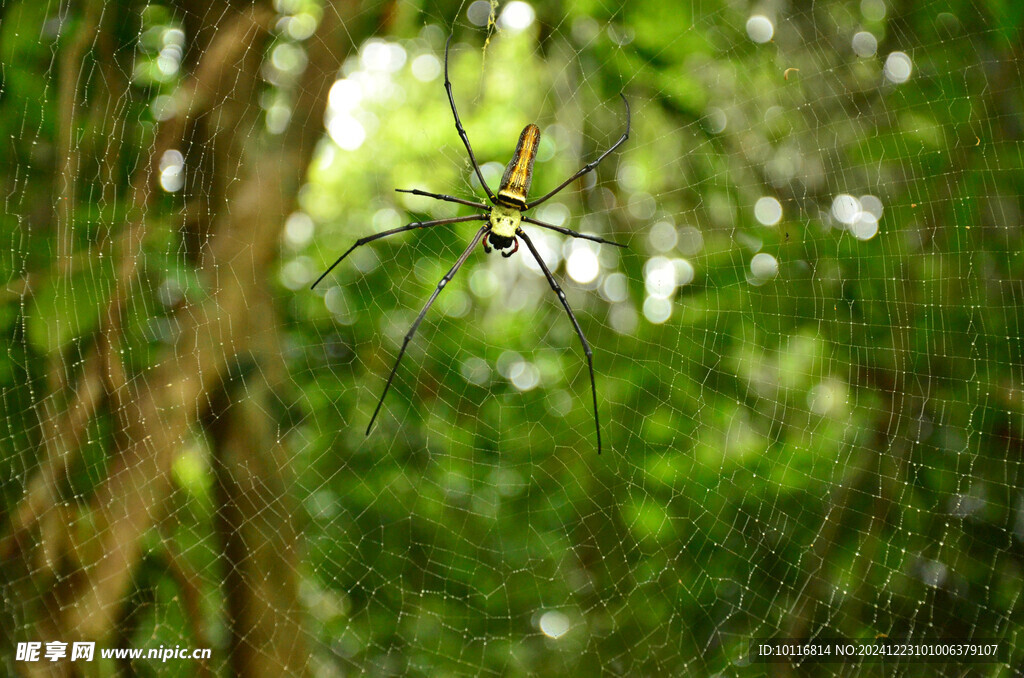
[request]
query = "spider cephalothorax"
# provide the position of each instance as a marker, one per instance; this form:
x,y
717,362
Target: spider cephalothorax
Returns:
x,y
504,222
504,217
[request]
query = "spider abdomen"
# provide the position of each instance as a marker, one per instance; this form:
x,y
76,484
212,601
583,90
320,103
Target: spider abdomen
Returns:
x,y
515,184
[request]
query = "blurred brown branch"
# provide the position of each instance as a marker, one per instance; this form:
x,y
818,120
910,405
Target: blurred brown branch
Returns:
x,y
154,412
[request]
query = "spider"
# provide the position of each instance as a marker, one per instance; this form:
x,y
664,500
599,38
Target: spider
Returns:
x,y
502,229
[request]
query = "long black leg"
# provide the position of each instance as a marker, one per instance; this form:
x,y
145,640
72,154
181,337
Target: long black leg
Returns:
x,y
439,196
579,330
589,167
384,234
416,323
571,232
458,124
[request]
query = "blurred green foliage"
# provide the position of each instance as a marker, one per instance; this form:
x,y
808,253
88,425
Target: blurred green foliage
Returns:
x,y
833,450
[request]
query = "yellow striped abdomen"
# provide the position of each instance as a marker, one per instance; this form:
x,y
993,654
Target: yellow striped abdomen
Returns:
x,y
519,173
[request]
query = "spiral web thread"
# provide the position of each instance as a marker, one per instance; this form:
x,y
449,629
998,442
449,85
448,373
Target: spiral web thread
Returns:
x,y
809,363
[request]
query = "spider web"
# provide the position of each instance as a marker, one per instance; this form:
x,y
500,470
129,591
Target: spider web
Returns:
x,y
808,362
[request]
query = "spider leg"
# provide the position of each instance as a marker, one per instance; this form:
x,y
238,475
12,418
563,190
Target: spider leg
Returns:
x,y
416,323
487,245
572,317
515,241
574,234
446,198
590,166
409,227
458,123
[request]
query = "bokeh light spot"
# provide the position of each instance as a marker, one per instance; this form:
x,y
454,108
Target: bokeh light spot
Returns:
x,y
656,310
426,67
760,28
663,236
660,277
845,208
516,16
768,210
615,287
764,266
479,12
347,132
582,265
554,624
172,170
873,205
865,227
898,67
864,44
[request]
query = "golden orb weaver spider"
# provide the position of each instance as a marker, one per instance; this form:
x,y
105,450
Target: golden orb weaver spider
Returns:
x,y
503,228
